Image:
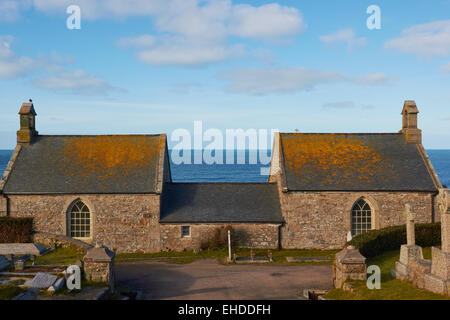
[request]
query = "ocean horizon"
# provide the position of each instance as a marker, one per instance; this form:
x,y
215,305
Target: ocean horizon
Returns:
x,y
249,171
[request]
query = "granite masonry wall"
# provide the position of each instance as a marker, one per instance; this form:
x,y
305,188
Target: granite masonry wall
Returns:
x,y
245,235
126,223
321,220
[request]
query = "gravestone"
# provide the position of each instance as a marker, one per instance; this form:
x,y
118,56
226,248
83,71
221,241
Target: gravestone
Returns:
x,y
99,265
57,285
409,251
22,249
438,280
42,280
349,264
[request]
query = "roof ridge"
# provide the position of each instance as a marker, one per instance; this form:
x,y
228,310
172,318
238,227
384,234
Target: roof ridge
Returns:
x,y
342,133
102,135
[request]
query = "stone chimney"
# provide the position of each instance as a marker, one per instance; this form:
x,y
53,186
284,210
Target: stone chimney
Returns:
x,y
413,135
27,123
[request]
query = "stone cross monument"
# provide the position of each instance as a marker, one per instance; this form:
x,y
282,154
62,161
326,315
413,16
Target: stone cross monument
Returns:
x,y
409,251
444,210
410,232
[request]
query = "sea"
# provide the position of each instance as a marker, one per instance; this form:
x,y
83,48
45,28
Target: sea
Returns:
x,y
253,166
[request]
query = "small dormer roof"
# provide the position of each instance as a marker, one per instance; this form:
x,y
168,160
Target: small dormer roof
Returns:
x,y
410,107
27,108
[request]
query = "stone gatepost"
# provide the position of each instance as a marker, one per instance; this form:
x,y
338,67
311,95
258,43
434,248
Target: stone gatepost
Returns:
x,y
438,280
349,264
408,251
99,265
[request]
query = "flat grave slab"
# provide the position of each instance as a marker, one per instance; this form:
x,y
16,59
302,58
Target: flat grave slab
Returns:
x,y
254,260
43,280
22,249
308,259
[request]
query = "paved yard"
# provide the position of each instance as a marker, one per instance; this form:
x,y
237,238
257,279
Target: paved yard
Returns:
x,y
207,279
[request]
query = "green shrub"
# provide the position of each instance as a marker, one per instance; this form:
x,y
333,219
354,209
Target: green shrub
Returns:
x,y
16,230
376,242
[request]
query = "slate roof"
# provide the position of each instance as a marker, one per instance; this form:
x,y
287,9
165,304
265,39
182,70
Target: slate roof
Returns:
x,y
353,162
86,164
221,202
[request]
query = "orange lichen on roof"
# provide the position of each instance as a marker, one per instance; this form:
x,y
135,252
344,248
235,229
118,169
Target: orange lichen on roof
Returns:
x,y
109,155
336,155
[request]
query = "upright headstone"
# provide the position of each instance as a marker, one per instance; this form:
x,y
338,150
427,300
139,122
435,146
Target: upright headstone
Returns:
x,y
438,280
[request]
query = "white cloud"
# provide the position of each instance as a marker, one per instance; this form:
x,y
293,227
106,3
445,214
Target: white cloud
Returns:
x,y
262,81
191,32
266,22
77,82
425,40
188,55
374,79
10,10
11,64
446,67
97,9
346,36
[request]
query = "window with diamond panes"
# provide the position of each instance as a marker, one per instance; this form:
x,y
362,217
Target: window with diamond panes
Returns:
x,y
80,221
361,217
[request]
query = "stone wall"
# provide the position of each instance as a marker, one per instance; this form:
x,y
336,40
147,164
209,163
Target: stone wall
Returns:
x,y
418,268
321,220
126,223
3,206
246,235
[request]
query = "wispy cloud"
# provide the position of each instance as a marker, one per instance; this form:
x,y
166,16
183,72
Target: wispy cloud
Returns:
x,y
346,36
54,64
425,40
76,82
339,105
11,64
10,10
279,80
446,67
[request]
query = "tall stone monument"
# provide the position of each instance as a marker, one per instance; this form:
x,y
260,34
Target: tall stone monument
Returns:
x,y
410,250
438,280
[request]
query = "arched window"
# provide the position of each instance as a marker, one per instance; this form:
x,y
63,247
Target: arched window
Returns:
x,y
361,217
79,220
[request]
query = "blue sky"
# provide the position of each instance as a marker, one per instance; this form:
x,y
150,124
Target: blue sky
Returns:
x,y
139,66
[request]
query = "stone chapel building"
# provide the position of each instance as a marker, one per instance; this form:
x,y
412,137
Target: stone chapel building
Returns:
x,y
117,190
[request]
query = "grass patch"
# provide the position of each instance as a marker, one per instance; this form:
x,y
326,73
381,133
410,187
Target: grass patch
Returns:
x,y
391,289
60,256
11,289
279,256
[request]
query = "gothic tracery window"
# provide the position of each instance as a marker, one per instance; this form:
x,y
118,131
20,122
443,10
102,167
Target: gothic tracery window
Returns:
x,y
361,216
79,220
